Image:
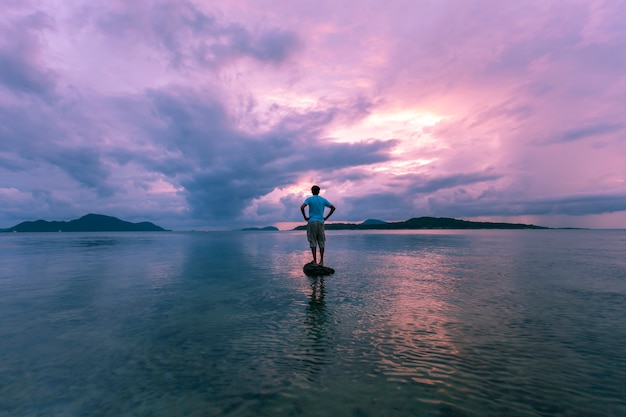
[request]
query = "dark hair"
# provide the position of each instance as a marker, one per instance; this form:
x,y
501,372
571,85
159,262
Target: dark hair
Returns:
x,y
315,190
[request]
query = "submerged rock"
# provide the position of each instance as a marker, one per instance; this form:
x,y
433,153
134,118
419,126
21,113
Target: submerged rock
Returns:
x,y
313,269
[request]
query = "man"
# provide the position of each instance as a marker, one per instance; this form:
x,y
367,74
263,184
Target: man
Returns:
x,y
315,226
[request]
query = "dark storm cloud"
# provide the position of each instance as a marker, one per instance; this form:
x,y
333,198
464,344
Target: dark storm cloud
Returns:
x,y
574,205
387,206
21,66
85,166
577,205
186,135
225,109
224,191
30,130
422,184
591,131
274,46
581,133
11,164
195,125
334,156
408,195
34,133
225,168
189,36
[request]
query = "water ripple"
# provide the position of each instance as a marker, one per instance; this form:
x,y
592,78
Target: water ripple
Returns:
x,y
457,324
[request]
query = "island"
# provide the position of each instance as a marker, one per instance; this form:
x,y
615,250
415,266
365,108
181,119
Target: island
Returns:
x,y
424,223
88,223
262,229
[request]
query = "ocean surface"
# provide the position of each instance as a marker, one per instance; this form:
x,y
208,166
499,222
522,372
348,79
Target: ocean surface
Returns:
x,y
412,323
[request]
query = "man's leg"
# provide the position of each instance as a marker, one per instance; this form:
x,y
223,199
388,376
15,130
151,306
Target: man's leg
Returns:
x,y
310,234
321,255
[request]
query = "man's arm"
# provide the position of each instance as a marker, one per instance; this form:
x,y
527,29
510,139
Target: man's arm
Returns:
x,y
332,210
302,210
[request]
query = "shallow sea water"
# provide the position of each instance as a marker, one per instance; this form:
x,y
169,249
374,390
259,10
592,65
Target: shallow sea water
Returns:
x,y
428,323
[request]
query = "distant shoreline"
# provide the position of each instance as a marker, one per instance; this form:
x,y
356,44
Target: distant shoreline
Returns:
x,y
102,223
425,223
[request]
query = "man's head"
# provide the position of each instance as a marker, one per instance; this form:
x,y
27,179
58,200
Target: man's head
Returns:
x,y
315,190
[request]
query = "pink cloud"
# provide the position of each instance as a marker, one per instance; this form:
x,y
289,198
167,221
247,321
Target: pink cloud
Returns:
x,y
459,108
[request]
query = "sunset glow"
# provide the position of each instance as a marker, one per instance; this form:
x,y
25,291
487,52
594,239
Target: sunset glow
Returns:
x,y
194,114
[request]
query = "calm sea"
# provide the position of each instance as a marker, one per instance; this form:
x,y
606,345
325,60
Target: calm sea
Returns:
x,y
449,323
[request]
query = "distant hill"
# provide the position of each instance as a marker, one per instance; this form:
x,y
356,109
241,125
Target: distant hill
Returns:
x,y
373,221
424,223
88,223
264,229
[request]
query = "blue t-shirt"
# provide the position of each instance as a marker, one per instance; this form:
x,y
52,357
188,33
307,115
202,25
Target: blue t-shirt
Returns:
x,y
316,205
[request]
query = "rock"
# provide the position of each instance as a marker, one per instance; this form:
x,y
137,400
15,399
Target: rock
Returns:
x,y
313,269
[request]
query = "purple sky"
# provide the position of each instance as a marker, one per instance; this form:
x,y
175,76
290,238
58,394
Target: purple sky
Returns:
x,y
210,115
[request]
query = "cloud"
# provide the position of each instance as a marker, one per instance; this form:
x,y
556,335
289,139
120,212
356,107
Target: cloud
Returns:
x,y
23,70
576,205
189,36
213,114
421,184
581,205
381,205
591,131
86,167
37,133
227,168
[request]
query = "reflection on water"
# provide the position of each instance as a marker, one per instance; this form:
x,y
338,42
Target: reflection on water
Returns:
x,y
317,344
513,323
416,344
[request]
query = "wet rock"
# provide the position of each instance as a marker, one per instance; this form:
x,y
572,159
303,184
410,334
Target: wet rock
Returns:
x,y
316,270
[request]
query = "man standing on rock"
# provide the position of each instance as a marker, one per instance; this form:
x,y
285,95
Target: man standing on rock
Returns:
x,y
315,226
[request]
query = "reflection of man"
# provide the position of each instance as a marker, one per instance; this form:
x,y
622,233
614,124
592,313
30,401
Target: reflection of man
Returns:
x,y
317,348
318,292
315,226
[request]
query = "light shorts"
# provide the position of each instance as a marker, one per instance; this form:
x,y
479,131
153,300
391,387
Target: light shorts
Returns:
x,y
315,234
